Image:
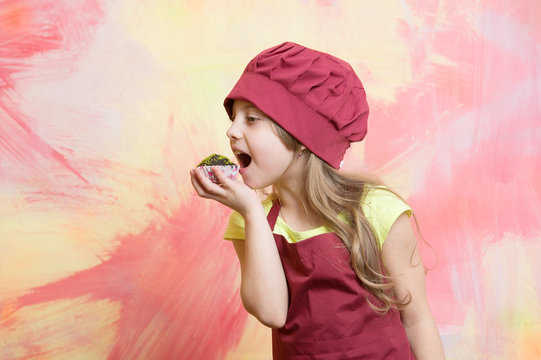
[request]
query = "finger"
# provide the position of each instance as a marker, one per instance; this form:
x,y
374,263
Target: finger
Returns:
x,y
209,187
197,184
220,175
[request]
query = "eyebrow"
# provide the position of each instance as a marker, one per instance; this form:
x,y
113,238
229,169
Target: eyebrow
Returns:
x,y
250,106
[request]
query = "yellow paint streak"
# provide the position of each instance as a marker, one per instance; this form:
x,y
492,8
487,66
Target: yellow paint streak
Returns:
x,y
53,237
65,329
255,344
43,247
219,47
511,298
509,323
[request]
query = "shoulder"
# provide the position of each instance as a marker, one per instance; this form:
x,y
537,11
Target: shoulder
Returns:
x,y
381,208
381,197
235,227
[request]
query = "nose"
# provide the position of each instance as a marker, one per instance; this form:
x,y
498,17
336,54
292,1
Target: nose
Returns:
x,y
234,131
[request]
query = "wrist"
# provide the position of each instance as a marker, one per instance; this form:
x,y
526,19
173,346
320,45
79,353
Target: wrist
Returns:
x,y
253,211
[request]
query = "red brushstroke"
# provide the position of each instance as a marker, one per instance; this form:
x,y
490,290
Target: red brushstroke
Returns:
x,y
177,279
30,28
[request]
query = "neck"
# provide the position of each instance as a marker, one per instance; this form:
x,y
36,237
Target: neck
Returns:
x,y
290,188
290,198
292,210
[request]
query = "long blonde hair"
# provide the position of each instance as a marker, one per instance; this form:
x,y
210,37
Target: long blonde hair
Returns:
x,y
329,193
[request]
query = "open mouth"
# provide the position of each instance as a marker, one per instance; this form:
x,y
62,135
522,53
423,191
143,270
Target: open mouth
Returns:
x,y
244,159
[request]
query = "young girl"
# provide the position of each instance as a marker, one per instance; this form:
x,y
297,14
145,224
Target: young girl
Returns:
x,y
329,260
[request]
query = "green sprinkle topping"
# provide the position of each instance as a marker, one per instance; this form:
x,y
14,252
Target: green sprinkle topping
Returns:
x,y
215,159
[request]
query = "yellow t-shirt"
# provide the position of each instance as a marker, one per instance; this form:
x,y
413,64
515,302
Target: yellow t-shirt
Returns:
x,y
380,207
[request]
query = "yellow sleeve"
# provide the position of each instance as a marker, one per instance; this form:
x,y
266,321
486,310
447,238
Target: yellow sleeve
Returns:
x,y
235,228
381,209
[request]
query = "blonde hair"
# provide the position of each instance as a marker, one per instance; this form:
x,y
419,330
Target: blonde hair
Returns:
x,y
329,193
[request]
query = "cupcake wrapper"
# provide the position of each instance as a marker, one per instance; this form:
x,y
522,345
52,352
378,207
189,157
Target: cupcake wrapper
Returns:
x,y
229,170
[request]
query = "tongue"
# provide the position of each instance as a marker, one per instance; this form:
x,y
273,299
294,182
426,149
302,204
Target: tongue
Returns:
x,y
244,160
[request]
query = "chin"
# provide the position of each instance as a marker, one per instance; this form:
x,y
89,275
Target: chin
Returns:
x,y
254,184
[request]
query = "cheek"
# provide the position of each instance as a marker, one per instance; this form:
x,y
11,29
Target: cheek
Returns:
x,y
281,156
271,150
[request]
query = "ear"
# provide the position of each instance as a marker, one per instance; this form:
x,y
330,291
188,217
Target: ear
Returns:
x,y
302,148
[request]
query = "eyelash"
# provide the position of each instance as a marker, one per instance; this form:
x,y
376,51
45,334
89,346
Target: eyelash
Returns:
x,y
250,118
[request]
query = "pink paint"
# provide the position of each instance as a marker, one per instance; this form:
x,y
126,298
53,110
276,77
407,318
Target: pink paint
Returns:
x,y
24,146
30,28
326,2
470,130
22,36
480,120
176,286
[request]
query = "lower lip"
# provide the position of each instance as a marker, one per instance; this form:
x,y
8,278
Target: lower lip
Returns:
x,y
242,170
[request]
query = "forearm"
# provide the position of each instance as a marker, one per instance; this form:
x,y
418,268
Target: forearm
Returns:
x,y
425,340
263,285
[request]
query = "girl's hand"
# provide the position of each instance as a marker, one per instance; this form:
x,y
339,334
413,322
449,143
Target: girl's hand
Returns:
x,y
231,193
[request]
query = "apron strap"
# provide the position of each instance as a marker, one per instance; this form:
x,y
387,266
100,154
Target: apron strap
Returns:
x,y
273,213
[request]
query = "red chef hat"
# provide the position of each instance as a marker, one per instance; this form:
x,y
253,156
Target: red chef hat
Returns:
x,y
313,95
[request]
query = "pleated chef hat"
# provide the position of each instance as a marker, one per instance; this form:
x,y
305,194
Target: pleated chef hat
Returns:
x,y
314,96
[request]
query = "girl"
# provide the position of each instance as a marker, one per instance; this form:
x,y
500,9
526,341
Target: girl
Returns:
x,y
329,260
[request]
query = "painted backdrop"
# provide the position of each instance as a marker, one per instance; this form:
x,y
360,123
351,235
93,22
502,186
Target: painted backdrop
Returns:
x,y
105,105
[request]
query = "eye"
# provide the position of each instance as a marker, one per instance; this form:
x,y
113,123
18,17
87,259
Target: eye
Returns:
x,y
251,118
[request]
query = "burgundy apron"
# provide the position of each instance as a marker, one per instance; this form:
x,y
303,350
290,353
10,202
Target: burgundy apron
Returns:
x,y
328,316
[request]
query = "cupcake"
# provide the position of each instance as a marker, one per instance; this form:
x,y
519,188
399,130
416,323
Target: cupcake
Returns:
x,y
229,168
